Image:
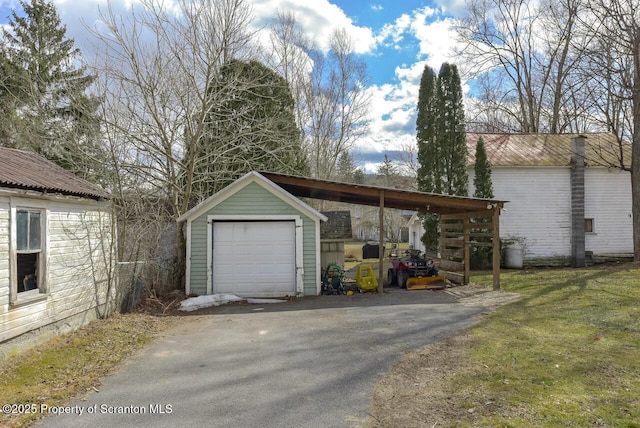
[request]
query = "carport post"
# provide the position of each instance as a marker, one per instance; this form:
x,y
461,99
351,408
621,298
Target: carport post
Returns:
x,y
381,244
496,247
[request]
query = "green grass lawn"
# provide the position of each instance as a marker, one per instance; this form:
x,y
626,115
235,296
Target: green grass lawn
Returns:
x,y
566,354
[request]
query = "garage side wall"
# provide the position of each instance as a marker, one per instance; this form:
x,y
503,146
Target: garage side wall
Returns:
x,y
252,200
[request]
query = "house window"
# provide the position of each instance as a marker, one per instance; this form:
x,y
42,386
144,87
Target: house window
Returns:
x,y
588,225
29,250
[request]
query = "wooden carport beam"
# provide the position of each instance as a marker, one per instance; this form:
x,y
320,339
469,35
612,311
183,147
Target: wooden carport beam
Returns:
x,y
466,250
496,248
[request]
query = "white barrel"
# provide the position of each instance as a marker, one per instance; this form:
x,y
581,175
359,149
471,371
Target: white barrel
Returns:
x,y
513,256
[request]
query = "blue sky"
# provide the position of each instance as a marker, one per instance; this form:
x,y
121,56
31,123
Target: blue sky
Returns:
x,y
395,37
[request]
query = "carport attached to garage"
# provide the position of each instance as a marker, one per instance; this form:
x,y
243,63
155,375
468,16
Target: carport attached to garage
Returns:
x,y
253,239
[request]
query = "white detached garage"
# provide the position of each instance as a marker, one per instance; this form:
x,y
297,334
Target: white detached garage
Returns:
x,y
253,239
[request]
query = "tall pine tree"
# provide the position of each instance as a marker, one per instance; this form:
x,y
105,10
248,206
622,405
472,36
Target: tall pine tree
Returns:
x,y
387,171
441,138
481,256
451,137
346,167
430,167
428,150
482,173
50,110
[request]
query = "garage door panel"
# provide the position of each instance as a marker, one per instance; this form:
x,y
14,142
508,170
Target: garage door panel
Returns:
x,y
254,258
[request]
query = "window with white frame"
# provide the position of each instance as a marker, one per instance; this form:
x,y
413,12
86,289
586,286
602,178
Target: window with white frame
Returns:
x,y
29,259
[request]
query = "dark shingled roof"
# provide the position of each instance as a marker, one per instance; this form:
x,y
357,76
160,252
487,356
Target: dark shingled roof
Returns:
x,y
337,226
24,170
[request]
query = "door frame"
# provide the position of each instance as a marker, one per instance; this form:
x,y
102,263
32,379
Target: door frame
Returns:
x,y
299,250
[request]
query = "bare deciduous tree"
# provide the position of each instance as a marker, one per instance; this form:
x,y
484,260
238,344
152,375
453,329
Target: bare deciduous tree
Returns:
x,y
288,56
328,89
616,59
158,67
524,55
407,161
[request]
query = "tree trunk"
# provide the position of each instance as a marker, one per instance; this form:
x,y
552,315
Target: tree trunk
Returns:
x,y
635,157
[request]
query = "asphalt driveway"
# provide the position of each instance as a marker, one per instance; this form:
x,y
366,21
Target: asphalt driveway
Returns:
x,y
308,363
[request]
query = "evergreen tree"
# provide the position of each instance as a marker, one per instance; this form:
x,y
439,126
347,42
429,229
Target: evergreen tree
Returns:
x,y
441,138
430,166
50,112
359,176
482,169
346,167
481,257
451,136
12,80
251,127
388,171
428,151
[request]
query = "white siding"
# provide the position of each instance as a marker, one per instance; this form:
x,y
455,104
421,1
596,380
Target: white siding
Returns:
x,y
608,202
538,210
415,233
78,248
4,255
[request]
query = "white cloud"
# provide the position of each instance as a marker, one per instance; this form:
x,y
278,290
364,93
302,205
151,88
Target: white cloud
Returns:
x,y
437,39
392,115
376,7
393,106
395,32
318,19
453,7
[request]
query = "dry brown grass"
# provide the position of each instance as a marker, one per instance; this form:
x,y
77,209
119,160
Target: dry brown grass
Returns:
x,y
54,372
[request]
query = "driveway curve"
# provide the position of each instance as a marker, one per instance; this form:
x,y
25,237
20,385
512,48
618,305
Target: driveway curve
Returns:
x,y
311,362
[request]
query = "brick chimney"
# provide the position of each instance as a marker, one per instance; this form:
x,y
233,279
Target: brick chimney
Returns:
x,y
577,201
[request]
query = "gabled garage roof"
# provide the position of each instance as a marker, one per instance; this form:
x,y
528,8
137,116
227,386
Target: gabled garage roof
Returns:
x,y
241,183
370,195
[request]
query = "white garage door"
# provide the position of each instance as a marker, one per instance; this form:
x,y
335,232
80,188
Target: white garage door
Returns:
x,y
254,258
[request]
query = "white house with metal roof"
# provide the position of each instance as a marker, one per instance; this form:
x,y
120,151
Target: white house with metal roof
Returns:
x,y
56,249
564,192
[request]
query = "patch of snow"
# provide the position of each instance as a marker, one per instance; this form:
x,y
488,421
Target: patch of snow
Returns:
x,y
195,303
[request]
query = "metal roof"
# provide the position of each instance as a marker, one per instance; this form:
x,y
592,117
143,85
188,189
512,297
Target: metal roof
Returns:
x,y
28,171
370,195
601,149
